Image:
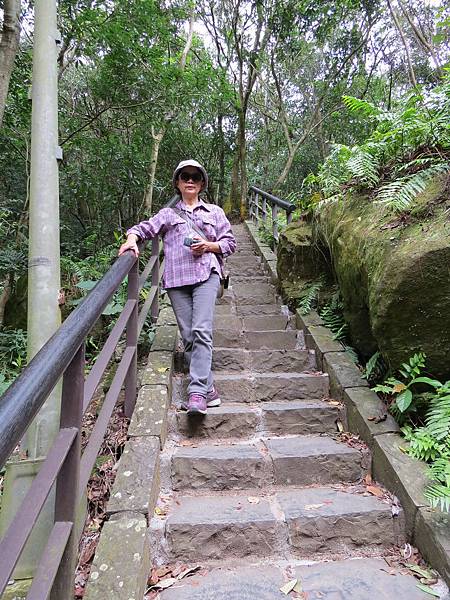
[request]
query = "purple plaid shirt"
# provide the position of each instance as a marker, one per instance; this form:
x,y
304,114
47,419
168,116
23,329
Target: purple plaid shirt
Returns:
x,y
181,266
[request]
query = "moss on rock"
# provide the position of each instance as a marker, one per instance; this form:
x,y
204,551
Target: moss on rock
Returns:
x,y
394,278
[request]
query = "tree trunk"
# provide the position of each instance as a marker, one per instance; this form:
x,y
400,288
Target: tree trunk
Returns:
x,y
4,297
234,192
411,74
221,186
9,44
148,194
243,164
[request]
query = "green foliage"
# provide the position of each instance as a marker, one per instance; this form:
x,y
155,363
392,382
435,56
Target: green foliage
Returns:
x,y
408,147
401,390
332,315
375,368
429,442
13,355
309,295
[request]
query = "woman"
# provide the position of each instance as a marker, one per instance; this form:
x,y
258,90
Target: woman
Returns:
x,y
193,268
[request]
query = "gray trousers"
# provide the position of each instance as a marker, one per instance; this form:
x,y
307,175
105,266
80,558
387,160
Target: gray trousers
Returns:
x,y
193,306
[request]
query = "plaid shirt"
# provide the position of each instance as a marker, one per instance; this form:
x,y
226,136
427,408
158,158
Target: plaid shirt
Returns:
x,y
181,266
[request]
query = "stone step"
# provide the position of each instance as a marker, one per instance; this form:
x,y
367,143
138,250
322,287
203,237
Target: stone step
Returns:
x,y
354,579
214,527
255,279
285,339
219,467
300,418
276,387
303,460
324,521
245,310
313,459
245,268
261,361
248,293
281,418
229,421
265,322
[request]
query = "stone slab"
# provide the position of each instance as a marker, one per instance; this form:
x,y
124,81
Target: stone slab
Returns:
x,y
320,339
245,310
290,386
166,316
108,577
224,310
136,486
401,474
309,460
165,339
150,413
220,467
228,322
265,323
304,322
225,526
281,361
261,293
235,388
251,583
230,359
158,370
300,418
228,338
432,537
222,422
342,373
271,340
363,409
360,579
324,520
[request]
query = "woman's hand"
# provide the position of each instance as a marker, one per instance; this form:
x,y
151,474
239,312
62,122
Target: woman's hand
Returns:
x,y
130,244
200,246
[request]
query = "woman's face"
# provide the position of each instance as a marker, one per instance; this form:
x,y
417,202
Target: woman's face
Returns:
x,y
190,180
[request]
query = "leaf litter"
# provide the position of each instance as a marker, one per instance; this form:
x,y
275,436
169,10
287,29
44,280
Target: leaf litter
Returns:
x,y
166,576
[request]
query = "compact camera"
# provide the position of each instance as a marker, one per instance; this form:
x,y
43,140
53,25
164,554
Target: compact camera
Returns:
x,y
188,241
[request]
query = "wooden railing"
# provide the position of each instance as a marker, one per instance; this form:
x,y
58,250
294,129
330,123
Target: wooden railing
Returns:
x,y
257,209
64,356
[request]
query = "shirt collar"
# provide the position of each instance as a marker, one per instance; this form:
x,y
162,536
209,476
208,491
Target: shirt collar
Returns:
x,y
201,203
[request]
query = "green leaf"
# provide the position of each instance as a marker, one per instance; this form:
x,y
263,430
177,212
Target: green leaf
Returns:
x,y
86,285
428,590
404,400
433,382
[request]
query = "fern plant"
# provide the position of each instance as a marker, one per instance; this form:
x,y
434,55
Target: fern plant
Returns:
x,y
387,160
308,298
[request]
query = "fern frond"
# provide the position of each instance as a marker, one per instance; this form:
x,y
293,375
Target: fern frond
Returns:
x,y
308,298
364,167
438,417
438,495
399,194
357,105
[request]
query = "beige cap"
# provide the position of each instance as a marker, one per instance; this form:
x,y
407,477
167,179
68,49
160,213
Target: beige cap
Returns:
x,y
190,163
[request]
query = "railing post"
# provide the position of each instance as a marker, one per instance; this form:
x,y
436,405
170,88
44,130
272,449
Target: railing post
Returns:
x,y
155,279
132,338
275,224
264,210
288,217
256,209
67,500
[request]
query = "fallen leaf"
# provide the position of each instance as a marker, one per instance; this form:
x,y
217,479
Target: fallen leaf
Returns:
x,y
375,491
339,426
160,511
189,571
288,587
371,418
253,500
298,587
428,590
334,403
398,387
368,479
162,369
161,572
163,584
420,571
314,506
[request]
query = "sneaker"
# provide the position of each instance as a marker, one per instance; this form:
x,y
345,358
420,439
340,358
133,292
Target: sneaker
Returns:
x,y
196,405
212,398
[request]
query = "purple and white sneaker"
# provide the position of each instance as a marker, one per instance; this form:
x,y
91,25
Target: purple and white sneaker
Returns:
x,y
196,405
212,398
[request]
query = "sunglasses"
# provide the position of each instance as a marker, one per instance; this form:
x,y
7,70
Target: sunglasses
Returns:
x,y
196,177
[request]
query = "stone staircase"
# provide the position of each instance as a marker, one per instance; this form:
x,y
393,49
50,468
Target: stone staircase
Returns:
x,y
265,488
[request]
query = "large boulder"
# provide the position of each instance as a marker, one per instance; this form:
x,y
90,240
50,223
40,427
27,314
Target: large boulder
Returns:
x,y
394,275
299,259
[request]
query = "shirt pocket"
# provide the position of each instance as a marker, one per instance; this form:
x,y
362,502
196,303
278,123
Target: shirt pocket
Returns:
x,y
208,225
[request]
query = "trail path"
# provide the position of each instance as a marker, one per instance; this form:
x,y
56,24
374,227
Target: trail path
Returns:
x,y
265,490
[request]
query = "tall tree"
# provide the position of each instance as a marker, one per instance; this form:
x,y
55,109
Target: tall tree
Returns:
x,y
9,44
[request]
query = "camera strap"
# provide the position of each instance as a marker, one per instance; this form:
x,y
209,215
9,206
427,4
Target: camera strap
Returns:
x,y
189,221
